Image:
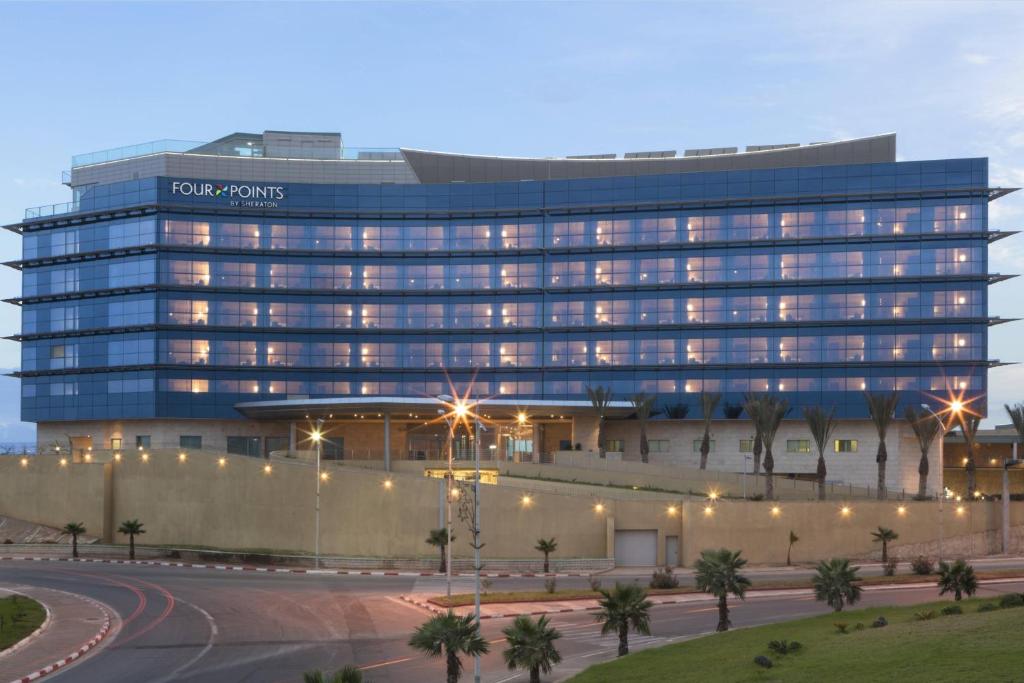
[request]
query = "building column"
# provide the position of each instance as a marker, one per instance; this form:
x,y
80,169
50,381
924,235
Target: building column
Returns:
x,y
538,435
291,437
387,442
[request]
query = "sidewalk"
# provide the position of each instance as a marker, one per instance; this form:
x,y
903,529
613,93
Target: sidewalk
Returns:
x,y
73,626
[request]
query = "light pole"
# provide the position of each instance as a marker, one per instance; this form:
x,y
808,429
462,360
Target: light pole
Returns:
x,y
476,538
317,438
955,407
449,478
1007,464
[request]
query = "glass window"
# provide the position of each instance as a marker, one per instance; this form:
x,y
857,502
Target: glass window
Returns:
x,y
190,441
798,445
846,445
697,443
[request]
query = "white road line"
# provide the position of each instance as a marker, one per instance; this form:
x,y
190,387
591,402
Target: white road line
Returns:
x,y
212,623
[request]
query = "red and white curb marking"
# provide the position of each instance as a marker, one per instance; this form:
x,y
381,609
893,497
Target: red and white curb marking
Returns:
x,y
77,654
281,570
431,607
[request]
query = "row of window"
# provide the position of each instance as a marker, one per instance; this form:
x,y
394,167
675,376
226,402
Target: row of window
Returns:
x,y
520,351
854,304
792,445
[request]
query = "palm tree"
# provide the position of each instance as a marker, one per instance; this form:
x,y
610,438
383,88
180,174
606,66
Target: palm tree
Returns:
x,y
447,635
793,538
133,528
439,539
546,546
754,404
531,646
885,537
349,674
1016,414
926,428
600,397
834,583
708,402
822,425
644,407
770,415
882,408
969,428
957,578
718,574
74,529
625,606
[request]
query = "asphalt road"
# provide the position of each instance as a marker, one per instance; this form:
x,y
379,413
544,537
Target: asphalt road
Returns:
x,y
213,626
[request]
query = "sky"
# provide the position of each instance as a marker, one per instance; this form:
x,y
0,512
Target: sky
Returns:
x,y
521,79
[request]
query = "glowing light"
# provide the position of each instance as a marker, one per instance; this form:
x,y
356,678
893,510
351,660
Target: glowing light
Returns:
x,y
455,493
960,510
324,476
63,462
182,457
672,510
88,457
708,510
24,462
956,406
901,510
977,494
713,495
526,501
845,511
117,457
388,484
267,469
598,508
145,457
222,462
521,418
316,436
776,511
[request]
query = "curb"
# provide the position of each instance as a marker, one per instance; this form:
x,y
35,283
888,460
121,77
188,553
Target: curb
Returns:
x,y
430,607
281,570
32,636
77,654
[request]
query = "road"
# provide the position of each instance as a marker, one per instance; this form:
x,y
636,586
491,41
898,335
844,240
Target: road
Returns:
x,y
198,625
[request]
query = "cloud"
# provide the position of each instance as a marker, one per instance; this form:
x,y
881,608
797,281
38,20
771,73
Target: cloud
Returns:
x,y
976,58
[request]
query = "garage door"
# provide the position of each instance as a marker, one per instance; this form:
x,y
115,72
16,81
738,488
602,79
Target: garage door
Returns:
x,y
636,548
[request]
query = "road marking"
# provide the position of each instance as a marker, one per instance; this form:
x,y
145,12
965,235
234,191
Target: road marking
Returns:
x,y
212,623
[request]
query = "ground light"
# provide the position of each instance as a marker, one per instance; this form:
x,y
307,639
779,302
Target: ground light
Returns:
x,y
845,511
182,457
598,508
387,484
24,462
776,511
901,510
222,462
267,469
526,500
63,462
672,510
145,457
708,510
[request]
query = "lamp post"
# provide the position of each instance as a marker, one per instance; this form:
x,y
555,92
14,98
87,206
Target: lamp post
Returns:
x,y
955,407
449,477
1007,464
317,438
476,539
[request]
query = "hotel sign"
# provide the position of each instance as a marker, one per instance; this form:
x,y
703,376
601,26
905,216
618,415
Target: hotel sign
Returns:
x,y
239,195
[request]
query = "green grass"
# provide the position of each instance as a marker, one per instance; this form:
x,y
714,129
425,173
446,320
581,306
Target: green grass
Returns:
x,y
972,646
19,616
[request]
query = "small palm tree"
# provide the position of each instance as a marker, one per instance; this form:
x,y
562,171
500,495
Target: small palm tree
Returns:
x,y
546,546
822,425
969,425
718,574
600,398
753,404
885,537
882,408
926,428
439,539
349,674
133,528
624,607
644,407
770,415
531,646
834,583
708,402
793,538
74,529
957,578
447,635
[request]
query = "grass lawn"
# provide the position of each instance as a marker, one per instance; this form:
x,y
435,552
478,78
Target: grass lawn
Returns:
x,y
972,646
19,616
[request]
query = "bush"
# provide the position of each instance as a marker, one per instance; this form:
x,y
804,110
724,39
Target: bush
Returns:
x,y
949,610
987,607
841,627
889,568
664,579
784,647
549,585
8,541
1011,600
485,585
756,496
595,584
763,661
922,566
880,622
925,616
858,626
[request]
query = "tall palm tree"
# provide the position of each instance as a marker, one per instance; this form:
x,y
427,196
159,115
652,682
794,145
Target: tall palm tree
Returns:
x,y
885,537
882,408
793,538
531,646
624,607
822,425
834,583
447,635
770,415
133,528
600,398
439,539
969,428
718,574
546,546
754,404
708,402
349,674
74,529
643,405
1016,414
957,578
926,428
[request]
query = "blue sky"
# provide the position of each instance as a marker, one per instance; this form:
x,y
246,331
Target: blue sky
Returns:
x,y
519,79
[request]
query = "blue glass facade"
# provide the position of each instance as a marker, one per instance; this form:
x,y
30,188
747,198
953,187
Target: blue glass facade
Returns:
x,y
815,282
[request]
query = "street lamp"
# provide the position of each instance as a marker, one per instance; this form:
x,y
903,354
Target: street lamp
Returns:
x,y
955,406
317,437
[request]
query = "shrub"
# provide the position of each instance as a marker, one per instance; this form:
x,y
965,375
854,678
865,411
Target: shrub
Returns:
x,y
756,496
925,616
485,585
922,565
595,584
549,585
8,541
763,661
880,622
858,626
841,627
1011,600
889,568
987,607
952,609
664,579
784,647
